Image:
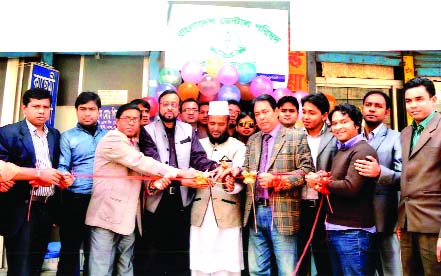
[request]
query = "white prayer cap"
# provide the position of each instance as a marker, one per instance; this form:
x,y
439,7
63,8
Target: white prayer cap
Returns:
x,y
218,108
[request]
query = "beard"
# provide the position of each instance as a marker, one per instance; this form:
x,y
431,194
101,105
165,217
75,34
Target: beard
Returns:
x,y
372,124
220,140
167,120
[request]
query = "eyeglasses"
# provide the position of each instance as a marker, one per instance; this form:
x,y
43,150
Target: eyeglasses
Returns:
x,y
190,110
246,124
128,120
173,105
232,112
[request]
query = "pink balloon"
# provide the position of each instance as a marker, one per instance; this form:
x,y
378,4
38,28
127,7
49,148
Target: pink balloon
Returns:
x,y
281,92
209,85
261,85
299,95
192,72
228,74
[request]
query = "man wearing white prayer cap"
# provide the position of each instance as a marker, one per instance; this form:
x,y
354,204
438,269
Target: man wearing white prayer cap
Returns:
x,y
215,233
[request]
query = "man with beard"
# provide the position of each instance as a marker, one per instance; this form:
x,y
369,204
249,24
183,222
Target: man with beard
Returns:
x,y
167,212
234,110
215,233
375,109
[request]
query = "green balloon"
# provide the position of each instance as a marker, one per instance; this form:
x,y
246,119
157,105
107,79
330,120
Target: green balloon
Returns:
x,y
170,75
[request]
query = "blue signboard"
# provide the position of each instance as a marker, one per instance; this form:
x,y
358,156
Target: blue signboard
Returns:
x,y
46,78
107,116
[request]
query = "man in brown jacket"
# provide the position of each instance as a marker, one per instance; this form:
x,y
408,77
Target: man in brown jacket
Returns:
x,y
274,215
419,211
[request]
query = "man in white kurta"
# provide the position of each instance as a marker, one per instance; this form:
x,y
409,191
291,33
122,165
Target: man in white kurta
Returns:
x,y
215,234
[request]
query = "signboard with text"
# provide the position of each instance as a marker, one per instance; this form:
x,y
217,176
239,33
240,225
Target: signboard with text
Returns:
x,y
47,78
234,35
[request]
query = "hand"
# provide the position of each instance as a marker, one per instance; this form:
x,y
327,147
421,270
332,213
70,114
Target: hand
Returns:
x,y
222,171
49,176
191,183
369,168
438,250
161,184
66,181
6,185
265,180
229,183
187,173
312,179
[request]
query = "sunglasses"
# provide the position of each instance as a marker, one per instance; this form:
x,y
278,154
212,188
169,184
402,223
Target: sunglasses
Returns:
x,y
246,124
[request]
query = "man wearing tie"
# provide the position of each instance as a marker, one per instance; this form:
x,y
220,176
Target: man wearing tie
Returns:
x,y
420,199
273,204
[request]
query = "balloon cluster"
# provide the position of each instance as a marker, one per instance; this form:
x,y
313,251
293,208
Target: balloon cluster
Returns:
x,y
218,81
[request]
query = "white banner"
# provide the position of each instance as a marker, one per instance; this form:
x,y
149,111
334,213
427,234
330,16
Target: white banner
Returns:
x,y
233,35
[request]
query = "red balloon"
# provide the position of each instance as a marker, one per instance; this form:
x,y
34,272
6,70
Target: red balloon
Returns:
x,y
245,92
153,105
207,99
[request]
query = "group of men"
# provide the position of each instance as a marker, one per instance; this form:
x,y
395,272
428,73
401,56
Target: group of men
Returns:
x,y
132,192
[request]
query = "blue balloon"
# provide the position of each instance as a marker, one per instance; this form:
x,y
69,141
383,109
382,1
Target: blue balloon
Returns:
x,y
162,87
247,72
228,92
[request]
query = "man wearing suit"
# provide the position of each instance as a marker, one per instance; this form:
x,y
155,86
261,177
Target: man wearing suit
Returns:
x,y
30,143
419,210
376,107
273,204
323,146
167,214
114,205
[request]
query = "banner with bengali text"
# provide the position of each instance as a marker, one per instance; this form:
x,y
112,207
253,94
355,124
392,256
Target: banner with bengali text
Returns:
x,y
232,34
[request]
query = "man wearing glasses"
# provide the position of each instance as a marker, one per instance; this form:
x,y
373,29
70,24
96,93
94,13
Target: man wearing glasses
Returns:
x,y
190,112
234,110
167,214
114,206
144,106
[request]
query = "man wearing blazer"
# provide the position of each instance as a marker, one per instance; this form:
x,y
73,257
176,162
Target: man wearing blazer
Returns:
x,y
273,203
375,109
114,206
323,146
167,213
30,143
419,210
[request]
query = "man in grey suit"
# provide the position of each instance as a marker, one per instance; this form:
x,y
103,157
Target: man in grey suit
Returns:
x,y
323,146
375,109
419,211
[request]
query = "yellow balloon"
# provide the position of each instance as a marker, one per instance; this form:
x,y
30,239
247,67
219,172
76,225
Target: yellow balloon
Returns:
x,y
213,65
